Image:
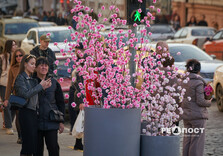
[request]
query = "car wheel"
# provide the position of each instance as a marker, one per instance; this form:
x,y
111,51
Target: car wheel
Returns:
x,y
219,97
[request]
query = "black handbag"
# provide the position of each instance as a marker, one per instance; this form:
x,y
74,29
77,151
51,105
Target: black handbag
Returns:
x,y
17,101
56,116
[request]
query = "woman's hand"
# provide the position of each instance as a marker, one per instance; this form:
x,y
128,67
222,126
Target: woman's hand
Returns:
x,y
81,106
61,128
5,103
46,83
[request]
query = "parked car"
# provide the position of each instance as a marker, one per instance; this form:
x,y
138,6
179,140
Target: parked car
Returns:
x,y
160,32
46,23
14,29
188,51
218,87
214,45
195,35
58,34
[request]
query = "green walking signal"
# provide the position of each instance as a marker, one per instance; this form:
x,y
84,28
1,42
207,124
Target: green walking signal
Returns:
x,y
137,16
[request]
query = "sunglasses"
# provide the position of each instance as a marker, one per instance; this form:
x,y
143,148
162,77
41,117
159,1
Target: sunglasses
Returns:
x,y
30,56
19,56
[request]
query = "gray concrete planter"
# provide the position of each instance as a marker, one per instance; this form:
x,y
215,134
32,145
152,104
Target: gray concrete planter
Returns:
x,y
160,145
112,132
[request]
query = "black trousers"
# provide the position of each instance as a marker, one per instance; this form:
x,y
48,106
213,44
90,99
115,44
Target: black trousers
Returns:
x,y
28,122
51,139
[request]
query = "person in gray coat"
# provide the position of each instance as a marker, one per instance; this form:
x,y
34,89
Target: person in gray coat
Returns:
x,y
195,111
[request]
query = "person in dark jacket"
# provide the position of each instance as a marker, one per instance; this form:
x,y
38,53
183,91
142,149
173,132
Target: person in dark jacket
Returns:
x,y
51,98
60,20
202,22
74,90
192,22
28,88
44,50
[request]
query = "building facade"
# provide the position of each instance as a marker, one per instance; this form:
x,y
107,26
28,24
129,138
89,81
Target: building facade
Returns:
x,y
212,9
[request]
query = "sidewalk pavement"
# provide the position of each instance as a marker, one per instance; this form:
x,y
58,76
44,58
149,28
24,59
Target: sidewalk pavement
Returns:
x,y
9,147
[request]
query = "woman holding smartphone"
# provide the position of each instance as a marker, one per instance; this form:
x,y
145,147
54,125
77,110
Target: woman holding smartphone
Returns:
x,y
28,88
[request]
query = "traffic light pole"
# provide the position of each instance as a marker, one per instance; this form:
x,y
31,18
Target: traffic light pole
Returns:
x,y
132,64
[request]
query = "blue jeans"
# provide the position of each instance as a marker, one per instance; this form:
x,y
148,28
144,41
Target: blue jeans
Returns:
x,y
8,114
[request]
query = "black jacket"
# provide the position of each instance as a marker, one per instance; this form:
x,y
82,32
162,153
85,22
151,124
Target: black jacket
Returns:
x,y
51,96
49,54
74,90
27,88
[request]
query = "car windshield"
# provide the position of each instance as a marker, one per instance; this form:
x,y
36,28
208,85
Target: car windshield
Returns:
x,y
62,68
202,32
158,29
188,52
58,35
18,28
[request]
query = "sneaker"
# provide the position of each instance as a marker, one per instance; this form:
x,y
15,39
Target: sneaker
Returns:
x,y
19,141
78,148
9,131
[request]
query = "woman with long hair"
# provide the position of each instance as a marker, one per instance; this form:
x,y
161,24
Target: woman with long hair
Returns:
x,y
13,72
5,59
28,88
192,22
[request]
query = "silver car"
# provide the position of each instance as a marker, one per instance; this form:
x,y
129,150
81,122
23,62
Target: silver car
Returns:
x,y
183,52
160,32
195,35
58,34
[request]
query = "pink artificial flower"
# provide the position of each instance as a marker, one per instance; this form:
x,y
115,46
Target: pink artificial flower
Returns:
x,y
139,10
154,1
158,10
152,7
55,43
61,79
78,95
66,96
56,62
140,1
55,71
73,79
111,7
103,7
69,27
73,104
48,34
105,19
87,9
69,70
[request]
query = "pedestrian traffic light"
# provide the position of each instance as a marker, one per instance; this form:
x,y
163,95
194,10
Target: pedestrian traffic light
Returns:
x,y
133,13
137,16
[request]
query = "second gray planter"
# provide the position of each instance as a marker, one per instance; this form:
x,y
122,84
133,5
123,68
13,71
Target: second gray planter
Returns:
x,y
160,145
